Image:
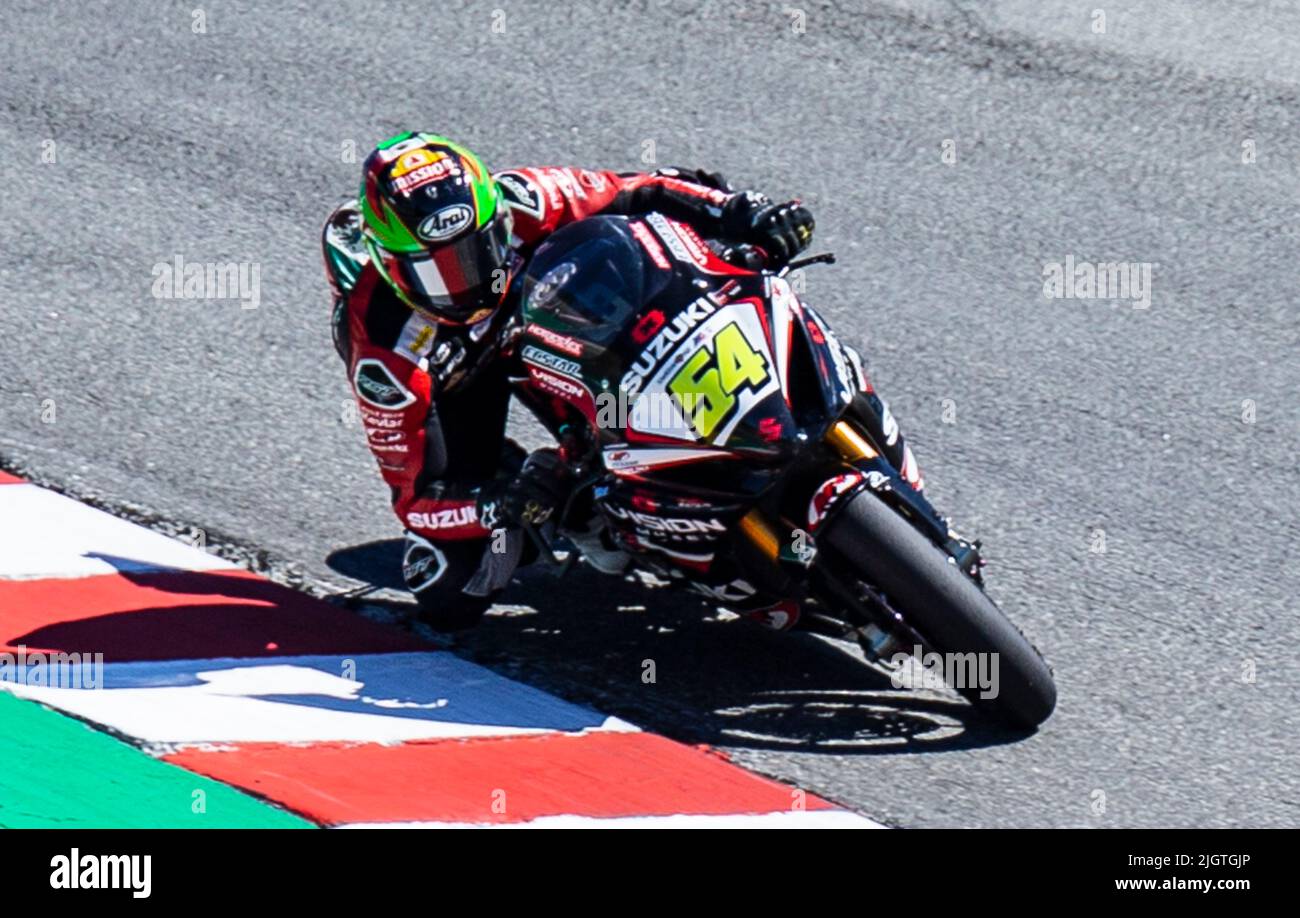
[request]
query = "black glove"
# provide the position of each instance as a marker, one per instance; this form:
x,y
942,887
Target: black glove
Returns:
x,y
782,231
538,489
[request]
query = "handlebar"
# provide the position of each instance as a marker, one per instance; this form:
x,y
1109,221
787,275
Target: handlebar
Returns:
x,y
755,258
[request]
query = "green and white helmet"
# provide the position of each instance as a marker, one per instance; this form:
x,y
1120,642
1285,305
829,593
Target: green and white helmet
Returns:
x,y
435,227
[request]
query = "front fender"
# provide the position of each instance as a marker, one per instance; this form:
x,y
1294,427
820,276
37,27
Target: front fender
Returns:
x,y
870,469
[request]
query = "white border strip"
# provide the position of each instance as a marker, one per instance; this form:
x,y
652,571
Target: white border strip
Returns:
x,y
46,536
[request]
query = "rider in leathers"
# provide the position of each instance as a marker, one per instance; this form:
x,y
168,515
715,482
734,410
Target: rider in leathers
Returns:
x,y
425,267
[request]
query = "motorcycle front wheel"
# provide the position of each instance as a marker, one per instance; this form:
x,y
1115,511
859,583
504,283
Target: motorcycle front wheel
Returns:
x,y
951,613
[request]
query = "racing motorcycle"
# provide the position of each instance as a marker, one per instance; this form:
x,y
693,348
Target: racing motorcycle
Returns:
x,y
712,425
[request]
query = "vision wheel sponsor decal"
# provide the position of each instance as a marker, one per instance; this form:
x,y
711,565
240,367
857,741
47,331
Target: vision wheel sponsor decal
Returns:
x,y
567,388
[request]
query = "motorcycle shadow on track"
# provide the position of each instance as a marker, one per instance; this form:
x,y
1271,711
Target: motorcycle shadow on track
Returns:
x,y
669,661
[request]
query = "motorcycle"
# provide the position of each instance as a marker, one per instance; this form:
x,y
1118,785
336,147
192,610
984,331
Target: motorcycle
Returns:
x,y
714,428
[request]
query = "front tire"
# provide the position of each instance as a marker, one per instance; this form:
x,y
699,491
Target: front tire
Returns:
x,y
942,604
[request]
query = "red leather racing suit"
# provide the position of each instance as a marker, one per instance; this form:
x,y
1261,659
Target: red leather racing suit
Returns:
x,y
432,399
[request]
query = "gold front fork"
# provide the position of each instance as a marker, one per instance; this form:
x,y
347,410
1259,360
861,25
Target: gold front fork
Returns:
x,y
759,531
849,443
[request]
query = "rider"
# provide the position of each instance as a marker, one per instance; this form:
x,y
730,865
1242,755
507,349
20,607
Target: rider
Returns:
x,y
426,270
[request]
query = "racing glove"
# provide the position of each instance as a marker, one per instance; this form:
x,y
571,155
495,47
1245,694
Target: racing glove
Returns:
x,y
530,497
782,231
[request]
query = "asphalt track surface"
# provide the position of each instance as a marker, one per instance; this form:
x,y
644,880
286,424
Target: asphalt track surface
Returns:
x,y
1066,416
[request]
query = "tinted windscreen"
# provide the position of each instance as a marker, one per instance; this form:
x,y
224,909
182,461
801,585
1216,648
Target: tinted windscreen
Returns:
x,y
591,278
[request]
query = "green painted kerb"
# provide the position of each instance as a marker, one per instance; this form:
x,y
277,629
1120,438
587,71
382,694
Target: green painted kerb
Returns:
x,y
56,772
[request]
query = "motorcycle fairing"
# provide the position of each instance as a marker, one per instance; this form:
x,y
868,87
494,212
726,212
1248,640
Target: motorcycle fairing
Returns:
x,y
736,367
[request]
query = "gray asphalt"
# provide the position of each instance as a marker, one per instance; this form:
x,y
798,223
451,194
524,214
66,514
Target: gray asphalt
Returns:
x,y
1064,416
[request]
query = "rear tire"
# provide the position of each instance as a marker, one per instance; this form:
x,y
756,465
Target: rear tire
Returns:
x,y
945,606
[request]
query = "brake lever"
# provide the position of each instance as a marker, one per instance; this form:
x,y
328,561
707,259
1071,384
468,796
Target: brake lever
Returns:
x,y
825,258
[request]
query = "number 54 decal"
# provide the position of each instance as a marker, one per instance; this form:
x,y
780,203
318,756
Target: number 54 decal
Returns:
x,y
732,371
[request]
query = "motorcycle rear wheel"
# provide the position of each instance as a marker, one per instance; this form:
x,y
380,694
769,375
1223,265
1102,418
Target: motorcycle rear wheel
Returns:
x,y
943,605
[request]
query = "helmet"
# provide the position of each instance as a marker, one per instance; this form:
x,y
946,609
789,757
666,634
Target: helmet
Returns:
x,y
435,227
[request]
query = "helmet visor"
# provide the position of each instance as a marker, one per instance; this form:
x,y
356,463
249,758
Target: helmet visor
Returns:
x,y
456,280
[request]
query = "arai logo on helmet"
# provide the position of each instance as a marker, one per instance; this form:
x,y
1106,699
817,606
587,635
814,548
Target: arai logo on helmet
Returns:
x,y
447,222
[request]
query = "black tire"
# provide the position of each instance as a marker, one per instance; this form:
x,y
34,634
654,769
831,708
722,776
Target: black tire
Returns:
x,y
944,605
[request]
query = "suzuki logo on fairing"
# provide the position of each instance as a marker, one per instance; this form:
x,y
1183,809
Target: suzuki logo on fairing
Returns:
x,y
447,222
657,349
